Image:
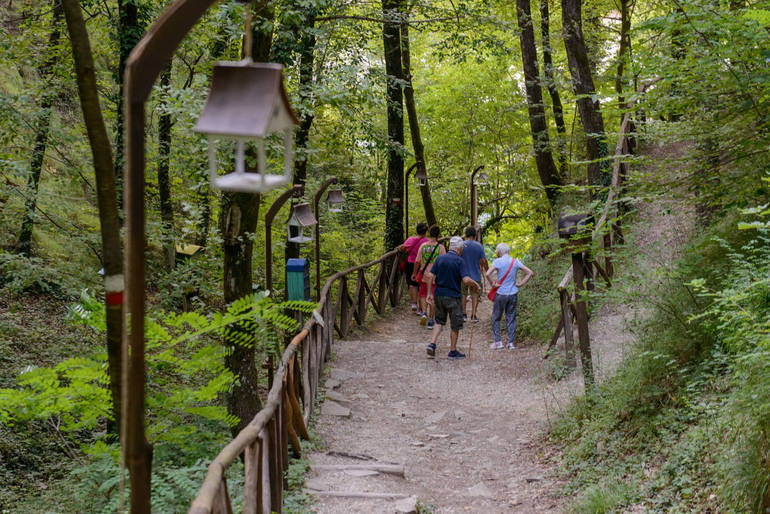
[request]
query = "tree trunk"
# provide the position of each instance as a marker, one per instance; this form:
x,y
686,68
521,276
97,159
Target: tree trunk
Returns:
x,y
625,47
553,91
130,31
414,128
391,36
549,175
306,58
104,171
164,184
582,82
238,223
42,130
202,189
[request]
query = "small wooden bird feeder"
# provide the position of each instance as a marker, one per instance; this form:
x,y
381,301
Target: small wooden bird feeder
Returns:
x,y
301,218
335,200
246,103
421,177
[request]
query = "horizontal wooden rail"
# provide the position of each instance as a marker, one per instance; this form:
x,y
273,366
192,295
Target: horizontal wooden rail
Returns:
x,y
265,441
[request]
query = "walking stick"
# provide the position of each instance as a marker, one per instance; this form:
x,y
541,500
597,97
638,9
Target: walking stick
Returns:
x,y
470,343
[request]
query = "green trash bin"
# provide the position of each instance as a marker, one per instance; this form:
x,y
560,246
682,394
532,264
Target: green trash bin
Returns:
x,y
298,279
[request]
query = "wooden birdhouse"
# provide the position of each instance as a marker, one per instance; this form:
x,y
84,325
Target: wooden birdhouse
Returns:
x,y
301,219
421,177
335,200
246,103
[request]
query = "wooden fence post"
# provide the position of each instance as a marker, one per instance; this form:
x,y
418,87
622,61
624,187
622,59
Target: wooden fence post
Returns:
x,y
578,262
566,314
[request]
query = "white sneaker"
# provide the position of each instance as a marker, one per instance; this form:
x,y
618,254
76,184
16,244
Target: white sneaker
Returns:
x,y
496,346
510,346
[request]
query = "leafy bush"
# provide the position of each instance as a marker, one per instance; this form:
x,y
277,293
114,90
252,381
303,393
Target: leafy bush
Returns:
x,y
186,377
20,274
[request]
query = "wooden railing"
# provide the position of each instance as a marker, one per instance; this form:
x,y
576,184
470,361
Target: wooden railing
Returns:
x,y
265,442
585,264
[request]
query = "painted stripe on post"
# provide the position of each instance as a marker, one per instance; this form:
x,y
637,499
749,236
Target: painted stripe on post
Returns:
x,y
114,285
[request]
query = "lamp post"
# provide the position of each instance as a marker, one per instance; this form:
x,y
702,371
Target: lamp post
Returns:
x,y
483,179
406,197
317,254
151,55
296,191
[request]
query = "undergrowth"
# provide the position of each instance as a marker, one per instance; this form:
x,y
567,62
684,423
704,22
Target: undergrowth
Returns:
x,y
684,425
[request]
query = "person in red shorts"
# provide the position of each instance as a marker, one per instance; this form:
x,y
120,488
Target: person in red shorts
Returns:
x,y
427,254
412,246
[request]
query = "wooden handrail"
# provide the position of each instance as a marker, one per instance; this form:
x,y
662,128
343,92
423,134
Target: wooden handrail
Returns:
x,y
262,443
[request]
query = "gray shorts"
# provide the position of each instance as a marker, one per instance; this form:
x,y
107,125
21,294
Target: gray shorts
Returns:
x,y
453,307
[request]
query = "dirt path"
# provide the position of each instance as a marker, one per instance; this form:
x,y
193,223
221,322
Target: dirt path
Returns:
x,y
471,434
468,432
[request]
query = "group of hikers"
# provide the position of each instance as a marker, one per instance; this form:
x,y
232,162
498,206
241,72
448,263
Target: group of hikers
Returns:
x,y
443,281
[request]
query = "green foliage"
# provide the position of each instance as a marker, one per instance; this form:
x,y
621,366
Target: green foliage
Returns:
x,y
186,377
686,415
20,274
186,373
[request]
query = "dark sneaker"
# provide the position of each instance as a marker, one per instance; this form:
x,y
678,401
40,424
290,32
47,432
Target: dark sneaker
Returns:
x,y
431,350
455,355
465,317
431,323
474,319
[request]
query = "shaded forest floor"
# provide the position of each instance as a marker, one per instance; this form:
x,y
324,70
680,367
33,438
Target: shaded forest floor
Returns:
x,y
472,434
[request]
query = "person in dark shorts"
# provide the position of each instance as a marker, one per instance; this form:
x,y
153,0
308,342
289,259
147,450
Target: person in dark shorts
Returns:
x,y
449,273
476,262
411,246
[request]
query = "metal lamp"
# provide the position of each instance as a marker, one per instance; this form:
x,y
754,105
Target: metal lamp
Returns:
x,y
301,218
246,103
421,177
335,200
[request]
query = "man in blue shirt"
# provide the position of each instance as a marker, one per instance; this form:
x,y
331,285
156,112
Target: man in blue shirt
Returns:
x,y
449,274
475,262
505,268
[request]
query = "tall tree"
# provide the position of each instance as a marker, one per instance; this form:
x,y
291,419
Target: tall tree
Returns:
x,y
201,188
624,49
106,194
391,37
546,168
583,84
414,126
550,84
130,28
42,129
164,184
238,224
303,25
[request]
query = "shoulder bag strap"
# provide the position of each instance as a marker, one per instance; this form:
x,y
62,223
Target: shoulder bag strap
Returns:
x,y
425,264
506,273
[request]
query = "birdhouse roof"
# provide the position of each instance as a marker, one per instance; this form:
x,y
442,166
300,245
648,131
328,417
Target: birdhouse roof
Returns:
x,y
335,196
246,99
302,215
